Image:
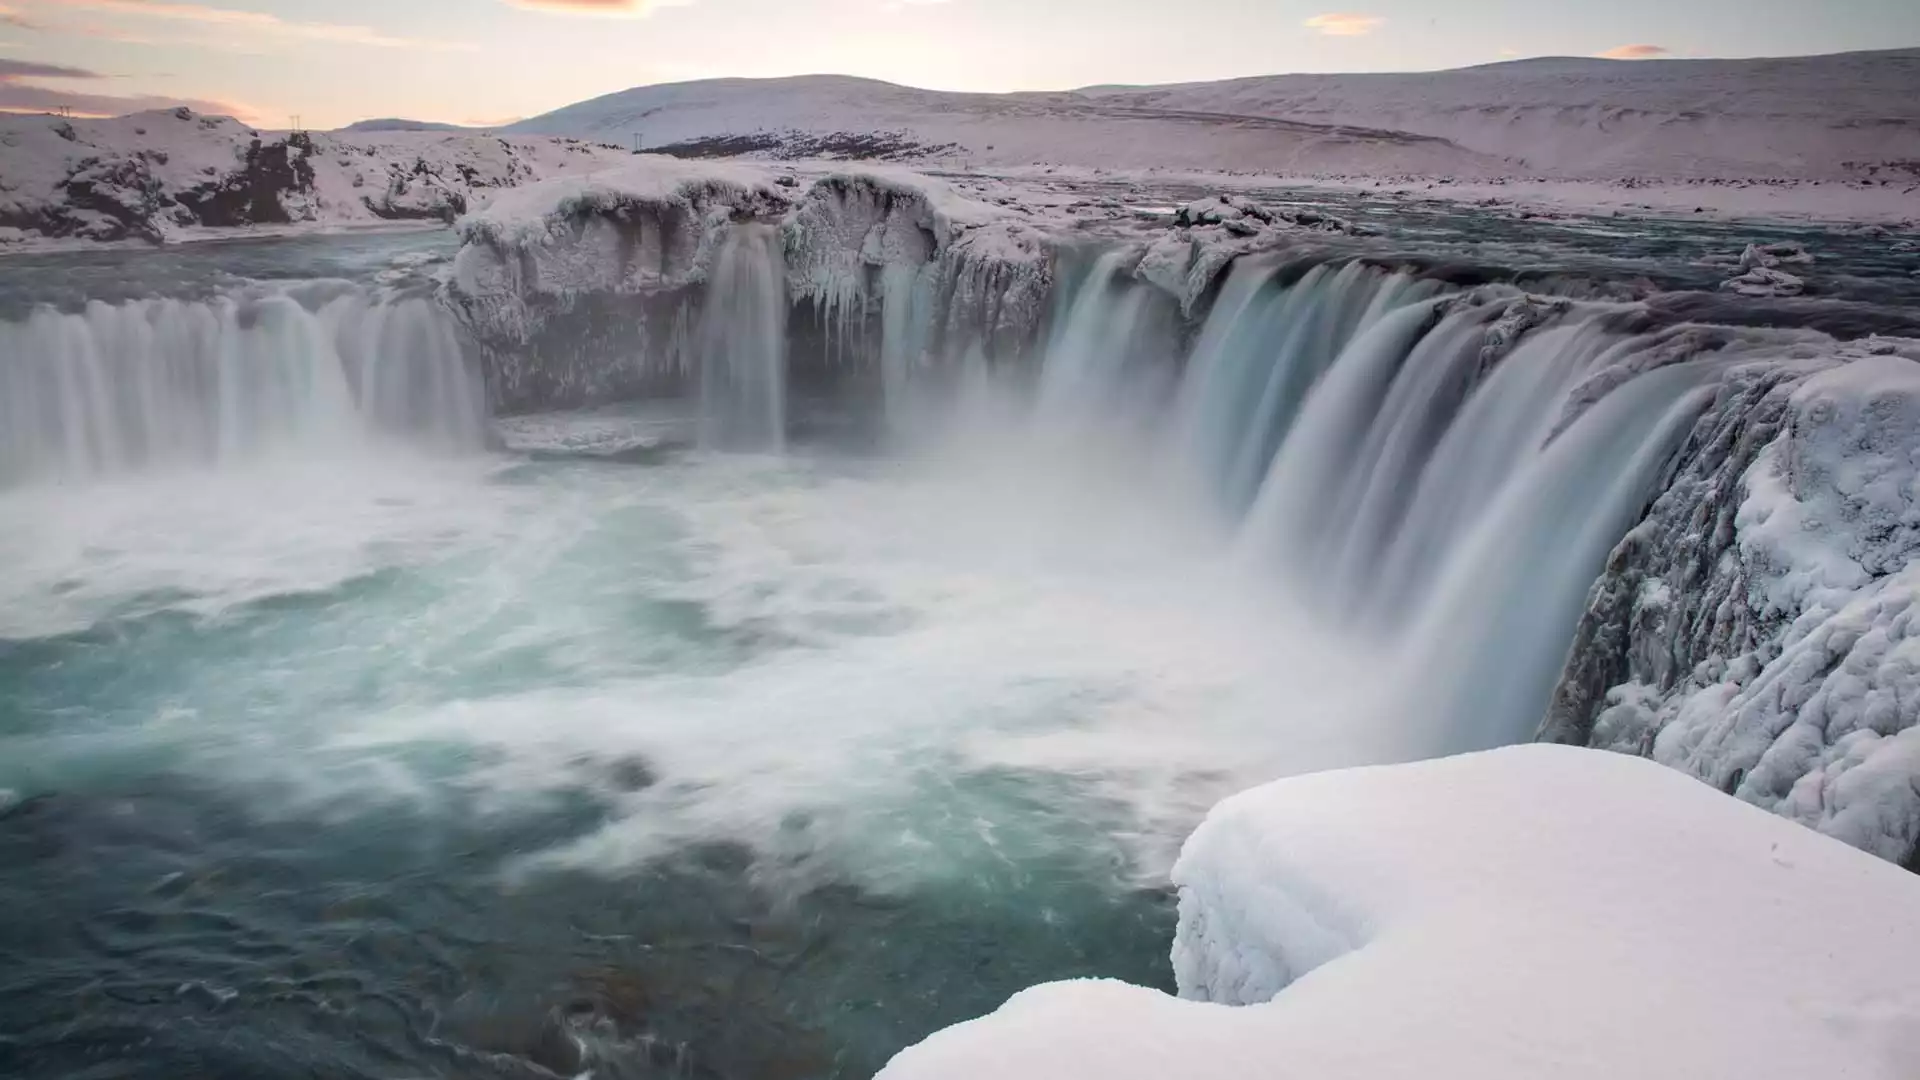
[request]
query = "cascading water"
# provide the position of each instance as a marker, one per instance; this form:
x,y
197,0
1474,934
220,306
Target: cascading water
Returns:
x,y
742,350
764,764
1408,465
120,387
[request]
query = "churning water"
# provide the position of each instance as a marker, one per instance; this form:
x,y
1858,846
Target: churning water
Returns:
x,y
347,732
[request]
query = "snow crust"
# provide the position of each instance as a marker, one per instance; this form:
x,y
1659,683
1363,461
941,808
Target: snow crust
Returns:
x,y
1527,912
648,224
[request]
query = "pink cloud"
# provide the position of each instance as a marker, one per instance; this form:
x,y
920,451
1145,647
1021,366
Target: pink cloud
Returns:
x,y
257,23
606,8
1339,24
1635,52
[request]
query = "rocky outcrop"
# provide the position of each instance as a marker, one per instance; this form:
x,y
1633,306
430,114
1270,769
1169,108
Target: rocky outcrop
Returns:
x,y
585,290
866,246
581,290
1760,629
269,186
156,176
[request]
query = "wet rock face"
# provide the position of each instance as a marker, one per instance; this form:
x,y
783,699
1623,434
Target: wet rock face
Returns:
x,y
256,193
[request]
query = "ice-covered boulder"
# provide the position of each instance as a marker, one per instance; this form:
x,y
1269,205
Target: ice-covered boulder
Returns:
x,y
1760,629
1530,912
1762,282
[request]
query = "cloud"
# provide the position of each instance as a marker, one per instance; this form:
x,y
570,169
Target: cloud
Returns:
x,y
258,23
1635,52
33,69
617,9
19,95
1343,25
10,16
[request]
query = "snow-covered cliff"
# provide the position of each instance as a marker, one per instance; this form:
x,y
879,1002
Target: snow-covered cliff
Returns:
x,y
583,289
160,176
1760,629
578,289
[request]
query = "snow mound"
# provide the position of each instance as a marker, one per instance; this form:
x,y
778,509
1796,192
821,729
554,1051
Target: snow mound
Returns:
x,y
1528,912
1761,628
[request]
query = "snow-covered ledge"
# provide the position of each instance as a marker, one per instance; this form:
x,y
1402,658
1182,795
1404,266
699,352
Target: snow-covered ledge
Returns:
x,y
1537,911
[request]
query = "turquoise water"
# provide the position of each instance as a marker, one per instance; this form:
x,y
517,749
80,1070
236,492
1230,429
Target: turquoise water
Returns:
x,y
537,761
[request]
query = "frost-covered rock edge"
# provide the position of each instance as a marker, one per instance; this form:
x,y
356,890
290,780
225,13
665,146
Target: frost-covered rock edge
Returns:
x,y
1760,629
1499,915
584,288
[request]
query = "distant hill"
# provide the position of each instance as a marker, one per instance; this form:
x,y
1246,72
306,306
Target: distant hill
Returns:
x,y
396,124
1824,117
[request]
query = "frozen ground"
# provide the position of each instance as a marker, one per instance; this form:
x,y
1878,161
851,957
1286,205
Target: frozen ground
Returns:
x,y
1535,911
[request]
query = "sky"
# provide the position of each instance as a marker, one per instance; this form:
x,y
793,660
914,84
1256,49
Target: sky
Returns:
x,y
487,62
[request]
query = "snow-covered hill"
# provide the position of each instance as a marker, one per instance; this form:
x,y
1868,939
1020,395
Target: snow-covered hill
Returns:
x,y
838,116
162,175
1848,116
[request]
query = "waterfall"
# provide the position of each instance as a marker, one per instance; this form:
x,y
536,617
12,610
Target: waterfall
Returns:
x,y
742,344
1100,359
1425,472
155,383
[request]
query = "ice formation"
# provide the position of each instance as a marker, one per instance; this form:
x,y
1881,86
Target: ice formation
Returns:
x,y
583,289
1759,628
1527,912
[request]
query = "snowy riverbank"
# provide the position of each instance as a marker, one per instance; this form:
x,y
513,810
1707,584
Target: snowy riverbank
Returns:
x,y
1528,912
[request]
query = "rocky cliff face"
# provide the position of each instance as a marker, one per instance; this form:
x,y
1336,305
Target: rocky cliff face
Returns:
x,y
1760,629
586,290
156,176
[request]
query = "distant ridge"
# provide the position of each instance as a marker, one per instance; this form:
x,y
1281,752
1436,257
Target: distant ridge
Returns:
x,y
1845,116
397,124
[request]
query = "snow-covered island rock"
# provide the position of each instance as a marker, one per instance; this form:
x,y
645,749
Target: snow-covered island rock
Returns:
x,y
1538,911
585,289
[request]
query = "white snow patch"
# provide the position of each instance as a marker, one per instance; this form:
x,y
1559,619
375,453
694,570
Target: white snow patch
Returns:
x,y
1529,912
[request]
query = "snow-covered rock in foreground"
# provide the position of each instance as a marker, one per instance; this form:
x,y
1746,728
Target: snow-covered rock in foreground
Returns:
x,y
1761,628
1532,912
